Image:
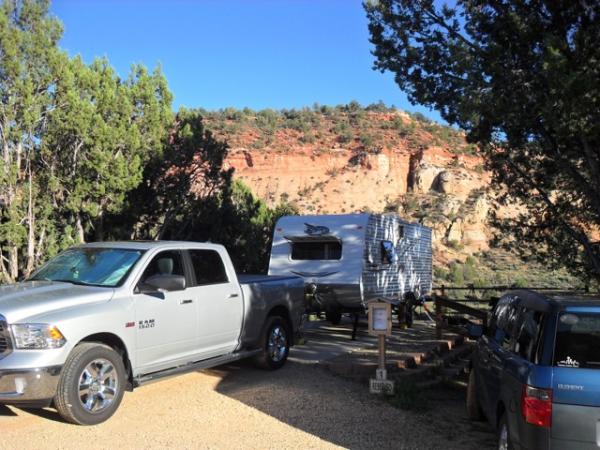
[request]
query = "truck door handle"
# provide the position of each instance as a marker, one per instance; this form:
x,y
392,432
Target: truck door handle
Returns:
x,y
233,295
186,302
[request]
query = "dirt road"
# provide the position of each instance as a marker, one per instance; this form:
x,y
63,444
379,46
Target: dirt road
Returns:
x,y
299,406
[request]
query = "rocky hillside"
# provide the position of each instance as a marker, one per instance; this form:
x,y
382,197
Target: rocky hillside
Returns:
x,y
351,159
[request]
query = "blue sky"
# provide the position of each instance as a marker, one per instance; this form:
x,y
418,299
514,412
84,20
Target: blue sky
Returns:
x,y
255,53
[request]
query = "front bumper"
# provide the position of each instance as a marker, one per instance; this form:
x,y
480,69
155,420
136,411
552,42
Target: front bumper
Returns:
x,y
34,387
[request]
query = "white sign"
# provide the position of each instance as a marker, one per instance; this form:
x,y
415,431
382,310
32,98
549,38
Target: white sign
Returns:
x,y
380,319
381,386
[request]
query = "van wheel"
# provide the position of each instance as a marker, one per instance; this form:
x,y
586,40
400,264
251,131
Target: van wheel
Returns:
x,y
91,384
334,317
473,409
275,344
504,435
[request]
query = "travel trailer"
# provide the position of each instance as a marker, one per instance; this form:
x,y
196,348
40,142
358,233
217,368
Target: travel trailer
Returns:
x,y
348,259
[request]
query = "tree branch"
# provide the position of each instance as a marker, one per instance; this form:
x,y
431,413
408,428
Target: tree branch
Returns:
x,y
577,235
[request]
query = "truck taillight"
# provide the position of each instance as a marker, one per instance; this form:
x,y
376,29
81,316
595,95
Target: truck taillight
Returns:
x,y
536,406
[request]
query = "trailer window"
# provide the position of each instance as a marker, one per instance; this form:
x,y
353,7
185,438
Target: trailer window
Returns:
x,y
388,253
316,250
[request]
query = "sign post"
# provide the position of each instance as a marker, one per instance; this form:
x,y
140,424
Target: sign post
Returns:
x,y
380,325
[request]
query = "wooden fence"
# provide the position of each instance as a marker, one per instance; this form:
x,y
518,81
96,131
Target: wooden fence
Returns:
x,y
483,306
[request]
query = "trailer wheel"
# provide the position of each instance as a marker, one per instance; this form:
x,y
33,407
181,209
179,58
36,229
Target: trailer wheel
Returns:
x,y
334,317
275,344
91,384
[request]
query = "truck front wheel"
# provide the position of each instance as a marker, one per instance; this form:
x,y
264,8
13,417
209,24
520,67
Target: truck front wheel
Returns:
x,y
275,343
91,384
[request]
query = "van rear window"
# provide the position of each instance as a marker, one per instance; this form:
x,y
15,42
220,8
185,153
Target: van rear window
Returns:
x,y
316,250
578,341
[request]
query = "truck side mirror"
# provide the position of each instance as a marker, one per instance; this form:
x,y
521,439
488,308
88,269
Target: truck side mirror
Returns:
x,y
166,282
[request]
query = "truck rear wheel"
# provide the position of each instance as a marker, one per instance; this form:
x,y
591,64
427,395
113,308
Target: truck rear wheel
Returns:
x,y
91,384
275,344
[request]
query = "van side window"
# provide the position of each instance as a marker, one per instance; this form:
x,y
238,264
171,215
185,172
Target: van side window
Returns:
x,y
502,322
316,250
527,334
208,267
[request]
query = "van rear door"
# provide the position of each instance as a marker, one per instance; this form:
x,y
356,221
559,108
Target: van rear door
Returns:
x,y
576,380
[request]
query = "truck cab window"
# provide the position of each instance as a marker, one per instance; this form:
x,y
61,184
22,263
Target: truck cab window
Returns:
x,y
316,250
208,267
165,263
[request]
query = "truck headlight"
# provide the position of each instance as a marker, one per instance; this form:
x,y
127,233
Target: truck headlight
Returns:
x,y
37,336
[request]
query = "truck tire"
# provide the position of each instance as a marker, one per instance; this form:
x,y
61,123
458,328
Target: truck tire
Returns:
x,y
473,408
91,384
275,343
334,317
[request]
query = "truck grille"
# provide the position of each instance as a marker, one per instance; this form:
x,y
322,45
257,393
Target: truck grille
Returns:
x,y
5,343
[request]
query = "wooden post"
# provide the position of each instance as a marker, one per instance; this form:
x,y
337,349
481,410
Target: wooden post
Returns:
x,y
402,315
381,351
439,319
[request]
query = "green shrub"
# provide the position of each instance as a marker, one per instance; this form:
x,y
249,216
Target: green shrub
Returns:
x,y
366,140
457,276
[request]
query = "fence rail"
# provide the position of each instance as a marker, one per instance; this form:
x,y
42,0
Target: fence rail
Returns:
x,y
459,305
472,287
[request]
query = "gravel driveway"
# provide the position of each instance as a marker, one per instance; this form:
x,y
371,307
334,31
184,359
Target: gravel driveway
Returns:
x,y
299,406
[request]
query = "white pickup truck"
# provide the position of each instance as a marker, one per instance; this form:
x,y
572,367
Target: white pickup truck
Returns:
x,y
103,318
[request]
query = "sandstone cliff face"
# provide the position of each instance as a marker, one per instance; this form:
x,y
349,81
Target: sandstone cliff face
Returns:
x,y
332,183
413,175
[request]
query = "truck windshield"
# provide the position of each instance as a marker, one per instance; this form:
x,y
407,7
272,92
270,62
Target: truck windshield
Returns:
x,y
578,341
90,266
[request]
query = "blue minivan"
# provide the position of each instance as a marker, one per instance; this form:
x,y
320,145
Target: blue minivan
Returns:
x,y
535,373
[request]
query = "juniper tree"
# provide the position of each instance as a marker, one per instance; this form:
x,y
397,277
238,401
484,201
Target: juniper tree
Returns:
x,y
522,78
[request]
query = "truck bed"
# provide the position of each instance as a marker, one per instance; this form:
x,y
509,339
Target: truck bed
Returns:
x,y
261,294
251,278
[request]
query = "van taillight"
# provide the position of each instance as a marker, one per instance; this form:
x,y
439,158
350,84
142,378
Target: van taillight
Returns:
x,y
536,406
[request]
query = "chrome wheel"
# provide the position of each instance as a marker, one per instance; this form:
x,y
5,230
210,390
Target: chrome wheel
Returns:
x,y
277,344
503,438
98,385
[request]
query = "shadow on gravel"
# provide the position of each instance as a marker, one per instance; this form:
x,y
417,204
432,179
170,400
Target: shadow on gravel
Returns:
x,y
445,405
343,413
46,413
6,411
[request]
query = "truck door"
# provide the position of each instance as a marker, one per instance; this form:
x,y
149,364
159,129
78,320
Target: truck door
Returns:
x,y
166,322
220,303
